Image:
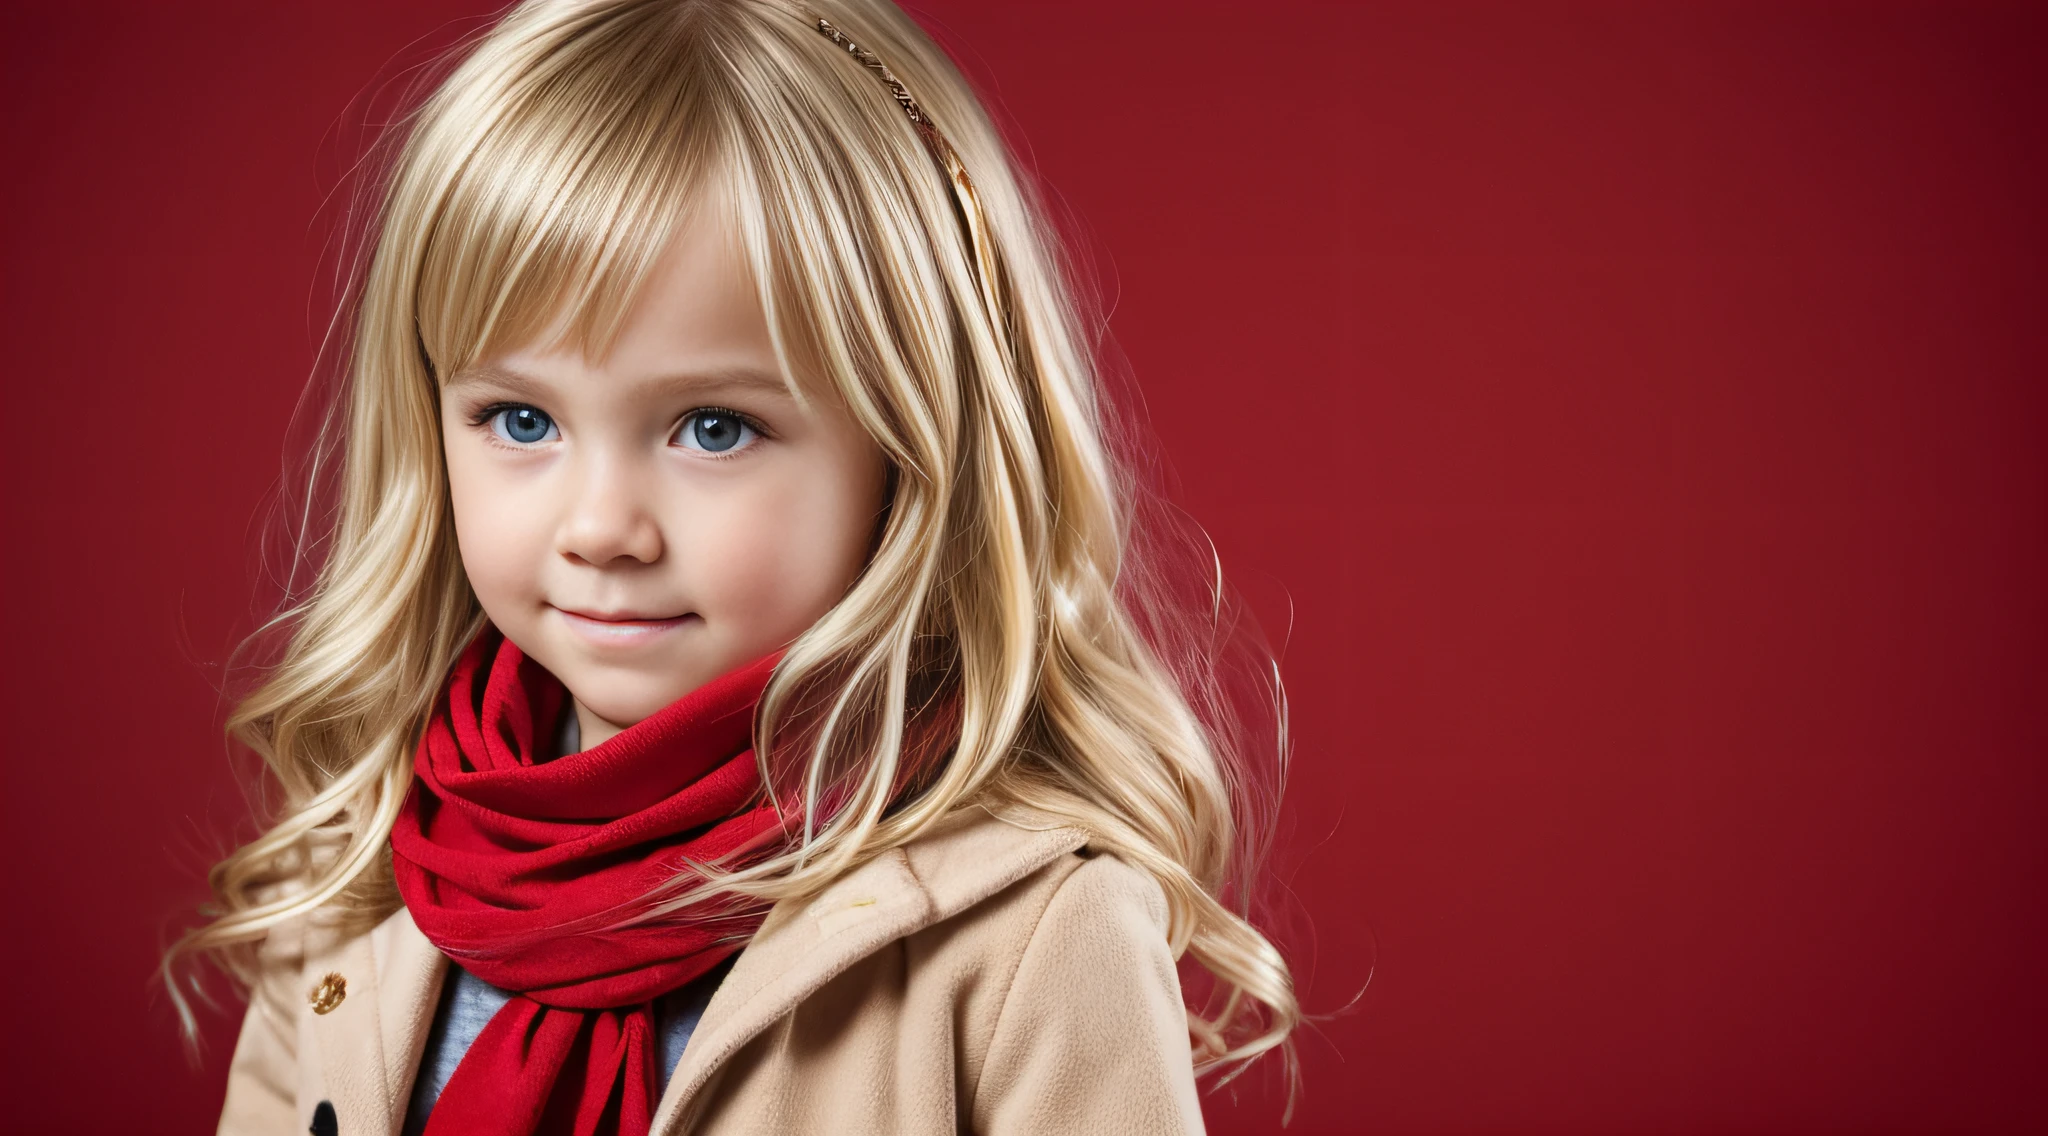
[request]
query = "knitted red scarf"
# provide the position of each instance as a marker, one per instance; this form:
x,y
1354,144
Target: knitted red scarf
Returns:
x,y
517,867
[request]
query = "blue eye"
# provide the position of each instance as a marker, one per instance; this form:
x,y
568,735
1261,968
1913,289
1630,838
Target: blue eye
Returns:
x,y
523,425
714,431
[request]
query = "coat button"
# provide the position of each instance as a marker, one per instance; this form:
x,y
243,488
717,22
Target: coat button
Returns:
x,y
324,1121
328,994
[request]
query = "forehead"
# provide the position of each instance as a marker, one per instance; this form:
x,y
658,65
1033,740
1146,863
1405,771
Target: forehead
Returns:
x,y
696,320
698,306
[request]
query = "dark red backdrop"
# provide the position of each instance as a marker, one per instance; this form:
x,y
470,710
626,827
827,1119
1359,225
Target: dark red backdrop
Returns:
x,y
1641,405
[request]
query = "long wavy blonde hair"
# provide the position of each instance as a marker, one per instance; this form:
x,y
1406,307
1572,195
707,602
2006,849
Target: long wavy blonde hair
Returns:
x,y
1013,581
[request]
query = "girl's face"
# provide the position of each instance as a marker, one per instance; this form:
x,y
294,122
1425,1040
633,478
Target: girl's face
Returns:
x,y
645,524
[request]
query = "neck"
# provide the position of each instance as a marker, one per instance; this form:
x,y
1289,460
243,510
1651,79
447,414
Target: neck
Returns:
x,y
590,731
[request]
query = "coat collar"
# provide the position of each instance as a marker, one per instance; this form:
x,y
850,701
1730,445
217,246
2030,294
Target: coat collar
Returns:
x,y
370,1045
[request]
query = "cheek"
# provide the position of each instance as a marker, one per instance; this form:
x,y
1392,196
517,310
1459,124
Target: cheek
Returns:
x,y
497,553
782,556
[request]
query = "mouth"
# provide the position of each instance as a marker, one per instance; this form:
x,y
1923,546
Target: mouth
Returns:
x,y
620,627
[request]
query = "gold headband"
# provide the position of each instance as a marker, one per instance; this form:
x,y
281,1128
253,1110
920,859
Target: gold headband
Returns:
x,y
966,202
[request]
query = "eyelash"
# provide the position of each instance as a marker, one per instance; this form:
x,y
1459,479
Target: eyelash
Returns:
x,y
481,419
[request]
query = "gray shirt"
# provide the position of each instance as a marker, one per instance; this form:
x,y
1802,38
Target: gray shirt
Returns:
x,y
467,1003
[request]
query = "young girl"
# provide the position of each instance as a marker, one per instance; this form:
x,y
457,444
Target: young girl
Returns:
x,y
726,703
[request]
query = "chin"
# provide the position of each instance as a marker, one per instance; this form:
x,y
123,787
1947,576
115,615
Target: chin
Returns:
x,y
625,700
629,694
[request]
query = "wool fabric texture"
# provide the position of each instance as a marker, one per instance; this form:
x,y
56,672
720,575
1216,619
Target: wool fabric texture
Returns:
x,y
521,868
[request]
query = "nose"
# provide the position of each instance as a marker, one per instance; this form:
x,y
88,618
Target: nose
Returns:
x,y
609,515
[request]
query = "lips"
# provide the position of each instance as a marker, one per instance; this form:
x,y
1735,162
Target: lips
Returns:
x,y
623,617
623,627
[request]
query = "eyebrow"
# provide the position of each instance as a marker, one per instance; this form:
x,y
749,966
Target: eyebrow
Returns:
x,y
682,381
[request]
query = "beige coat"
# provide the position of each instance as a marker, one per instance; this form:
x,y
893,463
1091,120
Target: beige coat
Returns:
x,y
988,978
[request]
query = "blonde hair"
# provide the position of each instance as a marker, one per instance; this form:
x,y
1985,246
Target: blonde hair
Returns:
x,y
1010,583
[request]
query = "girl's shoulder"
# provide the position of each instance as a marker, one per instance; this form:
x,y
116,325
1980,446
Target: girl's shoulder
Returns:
x,y
1021,884
984,888
998,970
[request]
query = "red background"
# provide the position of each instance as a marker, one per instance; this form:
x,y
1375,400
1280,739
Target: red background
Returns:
x,y
1640,406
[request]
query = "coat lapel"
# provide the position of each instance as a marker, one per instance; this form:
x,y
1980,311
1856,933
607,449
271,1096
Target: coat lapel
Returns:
x,y
798,948
802,946
370,1043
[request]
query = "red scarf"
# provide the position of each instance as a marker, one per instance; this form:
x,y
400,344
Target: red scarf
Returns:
x,y
513,865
